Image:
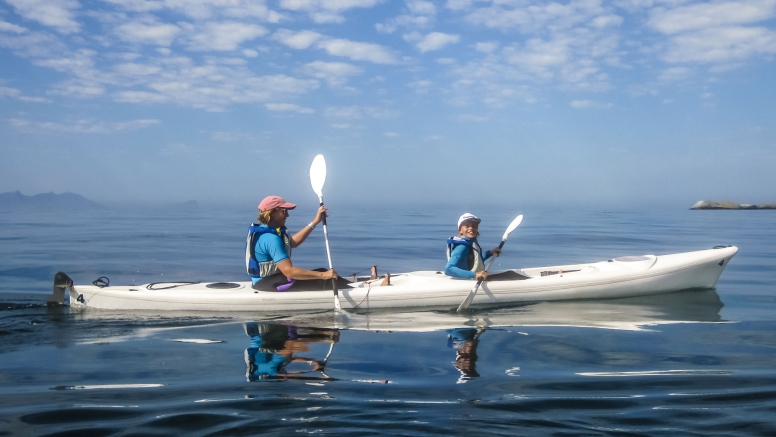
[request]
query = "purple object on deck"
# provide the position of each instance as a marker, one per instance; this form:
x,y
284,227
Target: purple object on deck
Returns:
x,y
284,287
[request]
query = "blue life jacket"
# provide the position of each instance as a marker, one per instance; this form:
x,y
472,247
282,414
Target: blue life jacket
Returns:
x,y
262,269
474,258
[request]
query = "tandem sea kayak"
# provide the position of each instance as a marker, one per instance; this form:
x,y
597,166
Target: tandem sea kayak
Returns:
x,y
625,276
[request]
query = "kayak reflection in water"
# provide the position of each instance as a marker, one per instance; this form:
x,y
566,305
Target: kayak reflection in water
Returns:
x,y
273,347
268,252
464,254
465,341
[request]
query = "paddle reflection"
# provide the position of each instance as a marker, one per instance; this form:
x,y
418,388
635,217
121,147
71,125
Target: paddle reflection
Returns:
x,y
274,347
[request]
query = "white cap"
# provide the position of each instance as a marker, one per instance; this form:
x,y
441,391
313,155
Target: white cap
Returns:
x,y
468,217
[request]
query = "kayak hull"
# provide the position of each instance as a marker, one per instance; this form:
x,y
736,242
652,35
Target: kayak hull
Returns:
x,y
615,278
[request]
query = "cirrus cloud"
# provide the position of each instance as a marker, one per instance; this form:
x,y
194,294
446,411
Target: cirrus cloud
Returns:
x,y
589,104
705,15
326,11
225,36
334,73
721,45
84,126
354,50
162,34
286,107
58,14
432,41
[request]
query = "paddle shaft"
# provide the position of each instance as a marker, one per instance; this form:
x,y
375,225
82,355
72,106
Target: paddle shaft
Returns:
x,y
328,255
468,301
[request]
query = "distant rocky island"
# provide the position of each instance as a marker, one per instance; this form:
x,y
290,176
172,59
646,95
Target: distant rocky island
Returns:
x,y
707,204
16,201
13,201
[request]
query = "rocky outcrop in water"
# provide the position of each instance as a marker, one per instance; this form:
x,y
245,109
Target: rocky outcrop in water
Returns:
x,y
708,204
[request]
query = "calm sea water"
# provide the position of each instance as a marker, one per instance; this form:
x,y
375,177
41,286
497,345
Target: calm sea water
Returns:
x,y
688,363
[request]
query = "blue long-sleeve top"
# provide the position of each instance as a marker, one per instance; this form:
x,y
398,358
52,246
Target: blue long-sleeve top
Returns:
x,y
457,264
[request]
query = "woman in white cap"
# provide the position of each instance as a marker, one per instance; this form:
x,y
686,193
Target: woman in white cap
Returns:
x,y
464,254
268,250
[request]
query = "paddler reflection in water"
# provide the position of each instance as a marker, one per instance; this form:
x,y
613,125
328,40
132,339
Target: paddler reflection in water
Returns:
x,y
465,341
273,347
464,254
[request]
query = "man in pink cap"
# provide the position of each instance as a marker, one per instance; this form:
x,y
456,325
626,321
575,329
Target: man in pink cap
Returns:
x,y
268,250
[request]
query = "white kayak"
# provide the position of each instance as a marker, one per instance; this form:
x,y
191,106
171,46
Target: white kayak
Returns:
x,y
626,276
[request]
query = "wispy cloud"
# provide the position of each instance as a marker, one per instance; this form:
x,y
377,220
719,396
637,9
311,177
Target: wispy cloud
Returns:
x,y
326,11
12,28
19,95
59,14
358,112
420,14
288,107
674,74
716,33
80,126
148,32
357,51
212,83
334,73
177,149
297,40
225,36
721,45
420,86
589,104
431,41
531,16
204,9
705,15
486,47
33,44
208,36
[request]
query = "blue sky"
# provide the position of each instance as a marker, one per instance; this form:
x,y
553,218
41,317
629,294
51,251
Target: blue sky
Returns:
x,y
622,103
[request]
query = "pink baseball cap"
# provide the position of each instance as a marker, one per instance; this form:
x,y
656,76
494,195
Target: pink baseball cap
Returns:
x,y
272,202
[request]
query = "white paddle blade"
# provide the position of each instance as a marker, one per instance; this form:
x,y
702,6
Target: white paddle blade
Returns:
x,y
318,174
515,223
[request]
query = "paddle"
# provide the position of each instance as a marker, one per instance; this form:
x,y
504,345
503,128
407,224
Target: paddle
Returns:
x,y
468,301
317,179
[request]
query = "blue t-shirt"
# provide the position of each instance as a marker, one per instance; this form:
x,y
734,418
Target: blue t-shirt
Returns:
x,y
269,247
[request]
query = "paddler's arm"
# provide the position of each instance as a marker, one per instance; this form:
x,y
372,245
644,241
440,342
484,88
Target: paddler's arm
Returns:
x,y
290,271
456,263
302,235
